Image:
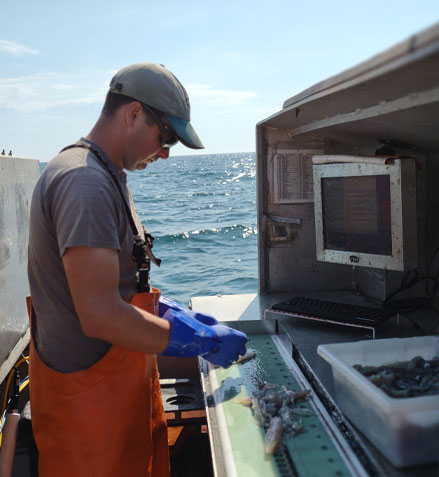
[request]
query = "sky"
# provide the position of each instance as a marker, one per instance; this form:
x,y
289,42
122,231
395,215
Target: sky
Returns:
x,y
238,59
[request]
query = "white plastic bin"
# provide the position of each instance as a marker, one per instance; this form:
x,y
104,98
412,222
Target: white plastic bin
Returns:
x,y
405,430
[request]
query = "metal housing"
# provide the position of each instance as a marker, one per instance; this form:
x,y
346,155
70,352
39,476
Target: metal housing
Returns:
x,y
402,174
391,100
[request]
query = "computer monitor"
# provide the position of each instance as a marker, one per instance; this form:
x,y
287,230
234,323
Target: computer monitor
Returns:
x,y
365,214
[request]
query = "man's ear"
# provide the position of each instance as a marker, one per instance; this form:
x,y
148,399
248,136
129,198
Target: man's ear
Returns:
x,y
132,112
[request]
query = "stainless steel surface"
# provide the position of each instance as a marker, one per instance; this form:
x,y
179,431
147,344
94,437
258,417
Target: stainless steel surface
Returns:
x,y
17,180
270,314
393,97
392,73
261,327
218,456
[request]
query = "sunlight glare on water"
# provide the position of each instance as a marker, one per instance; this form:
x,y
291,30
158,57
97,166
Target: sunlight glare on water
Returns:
x,y
202,212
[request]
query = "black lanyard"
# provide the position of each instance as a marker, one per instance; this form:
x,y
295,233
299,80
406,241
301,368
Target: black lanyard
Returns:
x,y
142,253
102,160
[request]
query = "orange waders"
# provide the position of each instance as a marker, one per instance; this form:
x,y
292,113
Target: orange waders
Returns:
x,y
104,421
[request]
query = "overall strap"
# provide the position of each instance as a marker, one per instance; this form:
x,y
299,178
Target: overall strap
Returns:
x,y
142,253
102,160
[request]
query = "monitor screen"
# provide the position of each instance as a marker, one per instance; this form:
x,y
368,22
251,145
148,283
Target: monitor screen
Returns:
x,y
365,213
357,214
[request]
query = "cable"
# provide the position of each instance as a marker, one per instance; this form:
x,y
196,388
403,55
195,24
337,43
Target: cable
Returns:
x,y
411,279
8,381
18,388
416,326
24,383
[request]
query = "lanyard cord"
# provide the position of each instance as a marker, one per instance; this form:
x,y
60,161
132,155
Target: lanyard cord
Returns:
x,y
142,253
102,160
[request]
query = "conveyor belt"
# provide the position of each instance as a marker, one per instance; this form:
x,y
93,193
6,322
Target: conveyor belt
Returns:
x,y
313,453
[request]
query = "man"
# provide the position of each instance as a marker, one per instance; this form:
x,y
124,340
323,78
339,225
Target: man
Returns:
x,y
95,396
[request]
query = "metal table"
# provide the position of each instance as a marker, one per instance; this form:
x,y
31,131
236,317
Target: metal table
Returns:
x,y
236,439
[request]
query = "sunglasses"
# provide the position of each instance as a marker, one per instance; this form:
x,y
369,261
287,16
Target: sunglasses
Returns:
x,y
168,138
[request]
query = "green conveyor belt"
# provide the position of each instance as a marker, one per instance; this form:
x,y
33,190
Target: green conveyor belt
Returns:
x,y
309,454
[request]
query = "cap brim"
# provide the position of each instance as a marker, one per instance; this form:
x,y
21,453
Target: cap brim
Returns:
x,y
185,132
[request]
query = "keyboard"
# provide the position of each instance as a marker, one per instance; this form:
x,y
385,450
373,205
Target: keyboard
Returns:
x,y
338,312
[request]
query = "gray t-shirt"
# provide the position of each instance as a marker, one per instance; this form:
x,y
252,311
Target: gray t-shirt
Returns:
x,y
75,203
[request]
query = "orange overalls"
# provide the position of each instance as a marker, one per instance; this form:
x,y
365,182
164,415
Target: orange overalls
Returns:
x,y
104,421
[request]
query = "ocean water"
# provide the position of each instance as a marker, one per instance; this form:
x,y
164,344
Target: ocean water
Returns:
x,y
202,212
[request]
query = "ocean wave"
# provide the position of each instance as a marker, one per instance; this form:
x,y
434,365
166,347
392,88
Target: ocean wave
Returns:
x,y
237,231
202,211
199,194
242,282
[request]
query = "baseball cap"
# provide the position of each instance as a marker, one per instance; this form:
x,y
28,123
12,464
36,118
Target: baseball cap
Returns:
x,y
157,87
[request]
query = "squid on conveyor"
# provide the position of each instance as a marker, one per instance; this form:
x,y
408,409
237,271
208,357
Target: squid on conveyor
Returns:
x,y
274,408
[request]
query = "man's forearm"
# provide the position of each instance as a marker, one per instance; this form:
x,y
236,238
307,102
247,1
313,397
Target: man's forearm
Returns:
x,y
93,277
126,325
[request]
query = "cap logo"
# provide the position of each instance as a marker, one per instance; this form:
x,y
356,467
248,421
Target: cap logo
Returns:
x,y
118,87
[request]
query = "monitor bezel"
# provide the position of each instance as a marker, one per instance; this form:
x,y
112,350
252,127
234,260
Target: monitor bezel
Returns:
x,y
402,174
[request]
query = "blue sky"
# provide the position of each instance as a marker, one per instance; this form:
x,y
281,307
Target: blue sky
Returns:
x,y
239,60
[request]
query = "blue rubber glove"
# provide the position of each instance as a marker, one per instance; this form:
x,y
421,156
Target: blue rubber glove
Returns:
x,y
231,346
189,337
218,344
165,304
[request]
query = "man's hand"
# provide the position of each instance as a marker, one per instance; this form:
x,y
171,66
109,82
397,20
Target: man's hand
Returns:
x,y
218,344
231,346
